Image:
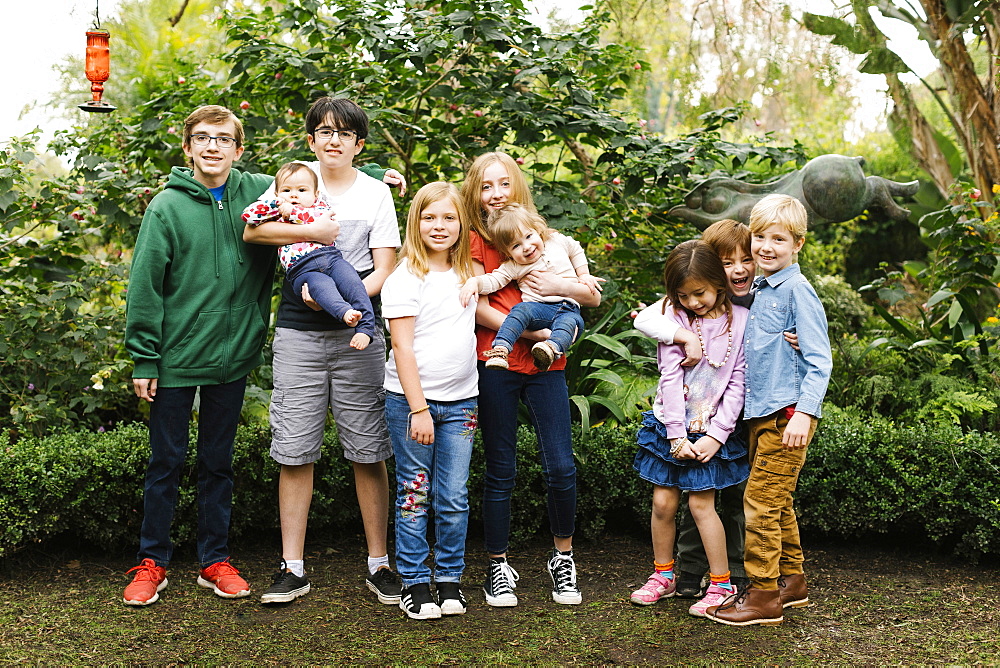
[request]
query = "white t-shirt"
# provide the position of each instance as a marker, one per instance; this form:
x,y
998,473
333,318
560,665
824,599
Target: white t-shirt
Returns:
x,y
366,215
444,340
652,322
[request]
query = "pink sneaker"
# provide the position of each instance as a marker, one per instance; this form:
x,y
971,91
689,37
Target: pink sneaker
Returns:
x,y
224,579
714,596
656,587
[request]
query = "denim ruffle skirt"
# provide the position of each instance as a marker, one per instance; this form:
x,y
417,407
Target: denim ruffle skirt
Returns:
x,y
728,467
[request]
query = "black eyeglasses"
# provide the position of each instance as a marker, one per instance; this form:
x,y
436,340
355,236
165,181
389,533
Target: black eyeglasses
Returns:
x,y
326,134
221,142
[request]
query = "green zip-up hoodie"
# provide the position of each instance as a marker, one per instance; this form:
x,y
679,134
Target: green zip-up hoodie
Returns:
x,y
198,296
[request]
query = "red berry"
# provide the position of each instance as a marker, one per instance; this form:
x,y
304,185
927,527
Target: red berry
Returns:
x,y
277,75
80,190
453,107
244,105
976,193
477,113
519,161
617,181
634,314
637,66
609,247
181,80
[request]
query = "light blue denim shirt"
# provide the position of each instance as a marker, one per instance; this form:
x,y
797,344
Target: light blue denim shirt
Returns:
x,y
777,374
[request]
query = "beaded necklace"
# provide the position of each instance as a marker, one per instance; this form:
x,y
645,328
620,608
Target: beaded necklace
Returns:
x,y
701,340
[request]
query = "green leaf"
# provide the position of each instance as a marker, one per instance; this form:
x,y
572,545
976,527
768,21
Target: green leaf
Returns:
x,y
843,33
881,60
606,375
611,344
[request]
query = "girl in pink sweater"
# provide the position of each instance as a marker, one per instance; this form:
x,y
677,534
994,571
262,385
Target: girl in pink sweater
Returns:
x,y
690,440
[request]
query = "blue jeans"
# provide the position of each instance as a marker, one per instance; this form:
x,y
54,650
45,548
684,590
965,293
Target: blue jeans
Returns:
x,y
335,285
169,424
563,318
546,397
432,478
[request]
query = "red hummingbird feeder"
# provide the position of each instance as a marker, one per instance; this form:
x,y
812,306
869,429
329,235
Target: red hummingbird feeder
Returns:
x,y
98,69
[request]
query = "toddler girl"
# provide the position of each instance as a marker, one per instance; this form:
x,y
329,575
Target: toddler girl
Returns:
x,y
528,244
684,442
333,283
430,405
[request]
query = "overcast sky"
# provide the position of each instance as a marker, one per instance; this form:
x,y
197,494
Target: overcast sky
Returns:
x,y
40,33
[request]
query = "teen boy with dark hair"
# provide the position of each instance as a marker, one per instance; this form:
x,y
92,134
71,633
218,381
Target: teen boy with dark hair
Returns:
x,y
316,370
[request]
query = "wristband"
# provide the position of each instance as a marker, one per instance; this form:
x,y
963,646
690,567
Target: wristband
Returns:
x,y
421,410
676,445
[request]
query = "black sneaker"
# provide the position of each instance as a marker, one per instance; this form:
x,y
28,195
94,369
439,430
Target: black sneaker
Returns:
x,y
499,585
690,585
417,602
286,587
385,584
562,570
451,599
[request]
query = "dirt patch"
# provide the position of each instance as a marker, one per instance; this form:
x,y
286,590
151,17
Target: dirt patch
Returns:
x,y
872,605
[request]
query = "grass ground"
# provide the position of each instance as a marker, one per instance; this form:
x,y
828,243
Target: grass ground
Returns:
x,y
871,606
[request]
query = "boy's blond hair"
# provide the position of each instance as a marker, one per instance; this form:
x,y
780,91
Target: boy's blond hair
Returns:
x,y
781,210
520,193
728,238
414,249
506,227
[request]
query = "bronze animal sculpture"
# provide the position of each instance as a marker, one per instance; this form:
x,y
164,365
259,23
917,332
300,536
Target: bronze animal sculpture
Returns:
x,y
832,187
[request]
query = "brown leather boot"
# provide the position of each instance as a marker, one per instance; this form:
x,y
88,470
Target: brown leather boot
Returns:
x,y
750,606
792,591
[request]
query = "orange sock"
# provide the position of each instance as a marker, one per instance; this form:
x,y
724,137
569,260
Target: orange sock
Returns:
x,y
722,580
666,570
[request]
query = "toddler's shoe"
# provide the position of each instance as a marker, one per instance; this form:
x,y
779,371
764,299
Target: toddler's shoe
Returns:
x,y
656,587
497,358
147,584
224,579
714,596
544,353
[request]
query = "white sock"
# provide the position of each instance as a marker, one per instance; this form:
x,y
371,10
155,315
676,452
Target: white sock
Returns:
x,y
296,566
375,563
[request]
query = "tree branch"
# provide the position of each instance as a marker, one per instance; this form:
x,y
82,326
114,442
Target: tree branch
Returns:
x,y
176,18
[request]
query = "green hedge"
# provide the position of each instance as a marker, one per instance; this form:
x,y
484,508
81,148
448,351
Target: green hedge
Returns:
x,y
865,476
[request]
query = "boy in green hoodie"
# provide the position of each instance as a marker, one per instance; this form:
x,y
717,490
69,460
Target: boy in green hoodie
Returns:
x,y
197,317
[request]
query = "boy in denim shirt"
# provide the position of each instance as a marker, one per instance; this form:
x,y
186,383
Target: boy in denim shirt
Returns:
x,y
784,398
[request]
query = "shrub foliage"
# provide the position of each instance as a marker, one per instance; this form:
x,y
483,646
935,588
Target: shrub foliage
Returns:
x,y
863,477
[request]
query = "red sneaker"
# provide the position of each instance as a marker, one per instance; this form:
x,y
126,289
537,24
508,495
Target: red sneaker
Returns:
x,y
224,579
147,584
